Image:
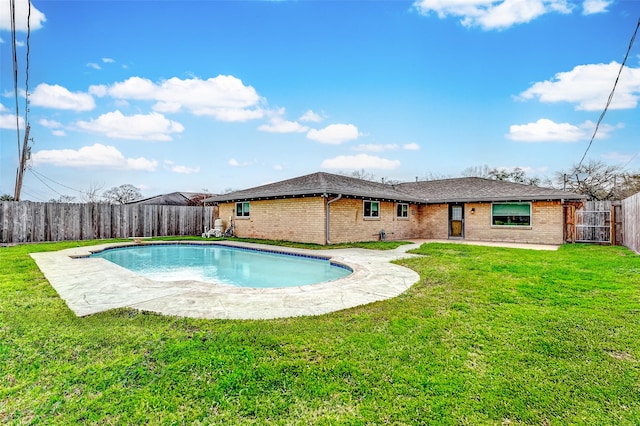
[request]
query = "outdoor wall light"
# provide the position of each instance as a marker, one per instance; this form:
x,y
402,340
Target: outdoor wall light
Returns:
x,y
473,210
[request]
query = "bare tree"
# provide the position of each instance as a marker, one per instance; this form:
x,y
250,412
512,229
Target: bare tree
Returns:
x,y
433,176
92,193
477,171
359,174
63,199
630,185
363,174
122,194
598,181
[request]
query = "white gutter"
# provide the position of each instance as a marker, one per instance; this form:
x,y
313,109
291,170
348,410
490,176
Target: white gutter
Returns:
x,y
327,216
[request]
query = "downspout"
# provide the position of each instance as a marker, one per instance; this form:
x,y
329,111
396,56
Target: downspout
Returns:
x,y
327,216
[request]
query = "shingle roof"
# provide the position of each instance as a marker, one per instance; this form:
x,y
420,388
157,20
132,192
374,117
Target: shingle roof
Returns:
x,y
436,191
320,183
479,189
171,199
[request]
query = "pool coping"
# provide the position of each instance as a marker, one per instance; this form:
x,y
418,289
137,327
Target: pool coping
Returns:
x,y
93,285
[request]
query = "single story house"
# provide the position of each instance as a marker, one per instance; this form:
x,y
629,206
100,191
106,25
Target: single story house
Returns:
x,y
326,208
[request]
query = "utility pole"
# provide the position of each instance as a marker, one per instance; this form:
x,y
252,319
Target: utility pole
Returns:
x,y
24,156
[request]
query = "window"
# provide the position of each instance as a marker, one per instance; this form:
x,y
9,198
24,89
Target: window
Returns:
x,y
511,214
242,209
371,209
402,210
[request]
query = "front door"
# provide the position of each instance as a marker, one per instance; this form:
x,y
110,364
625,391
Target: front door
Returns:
x,y
456,220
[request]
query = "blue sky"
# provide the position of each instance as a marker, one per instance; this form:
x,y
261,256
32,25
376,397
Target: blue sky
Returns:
x,y
217,95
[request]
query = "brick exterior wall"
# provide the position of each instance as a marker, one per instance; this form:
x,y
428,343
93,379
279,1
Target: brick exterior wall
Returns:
x,y
349,225
437,221
303,220
546,225
290,219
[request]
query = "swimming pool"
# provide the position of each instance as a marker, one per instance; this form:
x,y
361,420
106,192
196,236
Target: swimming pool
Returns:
x,y
219,264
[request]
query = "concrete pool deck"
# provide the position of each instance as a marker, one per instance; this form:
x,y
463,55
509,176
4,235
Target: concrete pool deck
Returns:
x,y
92,285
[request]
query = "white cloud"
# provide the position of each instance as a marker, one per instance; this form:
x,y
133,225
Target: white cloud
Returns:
x,y
50,124
360,161
334,134
94,66
411,146
235,163
283,126
376,147
108,60
98,90
224,97
590,7
153,127
492,14
589,87
311,117
95,156
8,120
21,14
545,130
55,126
278,124
170,165
58,97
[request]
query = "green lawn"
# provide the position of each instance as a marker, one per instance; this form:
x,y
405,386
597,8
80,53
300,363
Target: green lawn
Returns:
x,y
488,336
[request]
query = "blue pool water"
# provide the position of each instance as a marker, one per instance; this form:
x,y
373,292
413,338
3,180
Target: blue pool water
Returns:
x,y
223,265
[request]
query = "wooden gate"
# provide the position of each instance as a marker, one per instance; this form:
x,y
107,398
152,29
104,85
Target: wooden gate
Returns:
x,y
594,223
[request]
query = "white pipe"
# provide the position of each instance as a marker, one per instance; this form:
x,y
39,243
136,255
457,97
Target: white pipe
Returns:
x,y
327,216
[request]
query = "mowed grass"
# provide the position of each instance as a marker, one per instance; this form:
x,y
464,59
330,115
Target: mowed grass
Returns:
x,y
487,336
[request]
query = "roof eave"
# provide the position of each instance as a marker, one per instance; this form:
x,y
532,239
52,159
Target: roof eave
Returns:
x,y
513,198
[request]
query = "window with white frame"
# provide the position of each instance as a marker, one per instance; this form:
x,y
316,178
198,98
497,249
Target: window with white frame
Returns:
x,y
402,210
511,214
242,209
371,209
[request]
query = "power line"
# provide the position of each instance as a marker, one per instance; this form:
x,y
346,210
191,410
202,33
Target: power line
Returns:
x,y
47,185
630,160
40,175
26,81
606,107
33,196
25,150
14,52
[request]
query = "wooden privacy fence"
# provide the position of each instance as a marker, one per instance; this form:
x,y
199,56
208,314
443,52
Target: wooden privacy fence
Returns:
x,y
25,221
631,222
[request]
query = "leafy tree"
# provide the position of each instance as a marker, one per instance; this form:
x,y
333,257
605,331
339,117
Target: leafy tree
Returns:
x,y
6,197
516,175
122,194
